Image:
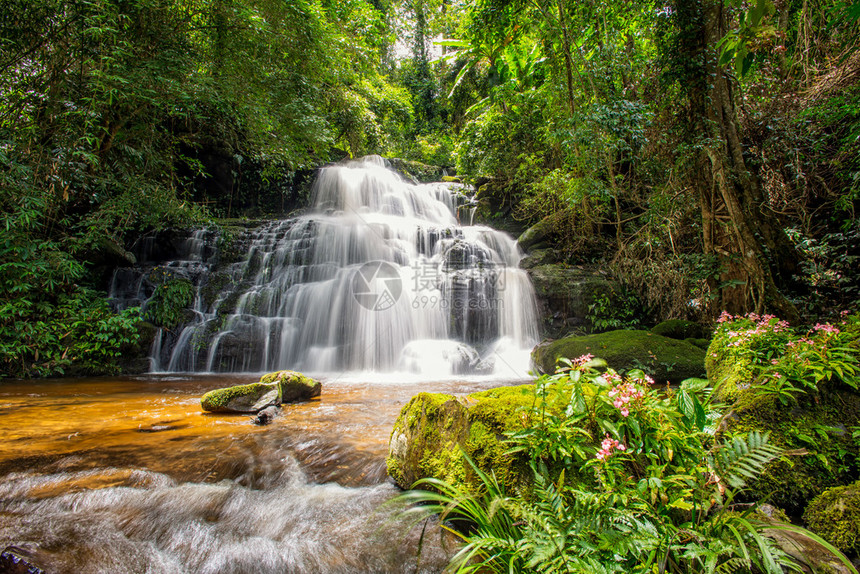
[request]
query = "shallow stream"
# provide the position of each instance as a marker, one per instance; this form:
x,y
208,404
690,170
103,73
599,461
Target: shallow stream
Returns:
x,y
128,475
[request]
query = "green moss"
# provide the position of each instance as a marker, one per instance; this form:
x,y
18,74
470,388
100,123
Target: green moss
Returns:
x,y
293,386
729,369
217,400
822,453
681,329
835,515
665,359
433,428
425,439
700,343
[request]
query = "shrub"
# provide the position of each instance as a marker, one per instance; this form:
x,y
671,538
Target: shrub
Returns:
x,y
628,479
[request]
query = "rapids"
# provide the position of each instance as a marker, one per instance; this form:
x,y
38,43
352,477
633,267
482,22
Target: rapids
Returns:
x,y
128,475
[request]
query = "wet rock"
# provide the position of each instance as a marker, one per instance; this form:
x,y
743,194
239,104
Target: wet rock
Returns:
x,y
134,358
267,415
466,360
14,560
663,358
433,428
293,386
564,295
464,255
242,398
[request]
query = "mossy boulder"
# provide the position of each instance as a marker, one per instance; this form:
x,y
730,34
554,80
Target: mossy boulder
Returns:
x,y
433,428
663,358
835,515
273,389
541,235
813,429
700,343
293,386
241,398
681,329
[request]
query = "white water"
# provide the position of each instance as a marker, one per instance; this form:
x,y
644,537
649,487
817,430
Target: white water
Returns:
x,y
380,277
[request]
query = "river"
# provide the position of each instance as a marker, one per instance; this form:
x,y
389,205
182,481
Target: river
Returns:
x,y
128,475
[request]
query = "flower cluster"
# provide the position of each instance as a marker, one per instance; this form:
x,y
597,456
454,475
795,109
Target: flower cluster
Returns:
x,y
580,362
607,447
624,393
827,328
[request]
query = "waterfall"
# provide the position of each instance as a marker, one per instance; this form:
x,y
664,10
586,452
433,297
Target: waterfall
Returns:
x,y
378,276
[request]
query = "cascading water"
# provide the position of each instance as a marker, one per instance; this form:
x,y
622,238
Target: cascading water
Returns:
x,y
380,276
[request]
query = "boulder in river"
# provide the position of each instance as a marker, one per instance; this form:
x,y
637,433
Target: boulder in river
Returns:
x,y
293,386
242,398
273,389
267,415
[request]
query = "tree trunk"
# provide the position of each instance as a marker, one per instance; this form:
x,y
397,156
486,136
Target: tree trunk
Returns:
x,y
750,230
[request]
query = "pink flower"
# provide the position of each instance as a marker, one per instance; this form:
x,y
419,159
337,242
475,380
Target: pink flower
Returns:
x,y
827,328
623,394
579,362
724,317
607,447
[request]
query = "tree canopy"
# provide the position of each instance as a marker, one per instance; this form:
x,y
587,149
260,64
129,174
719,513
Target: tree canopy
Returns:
x,y
706,151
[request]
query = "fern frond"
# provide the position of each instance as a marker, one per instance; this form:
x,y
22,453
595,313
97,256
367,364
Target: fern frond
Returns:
x,y
736,564
742,459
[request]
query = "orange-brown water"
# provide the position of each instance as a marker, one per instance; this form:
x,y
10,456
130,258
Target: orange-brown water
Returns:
x,y
129,475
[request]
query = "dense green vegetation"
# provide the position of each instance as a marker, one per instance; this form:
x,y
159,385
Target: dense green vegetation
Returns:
x,y
123,117
627,477
704,151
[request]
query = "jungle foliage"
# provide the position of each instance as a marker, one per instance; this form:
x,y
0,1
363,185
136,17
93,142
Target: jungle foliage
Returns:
x,y
705,151
122,117
628,478
713,146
